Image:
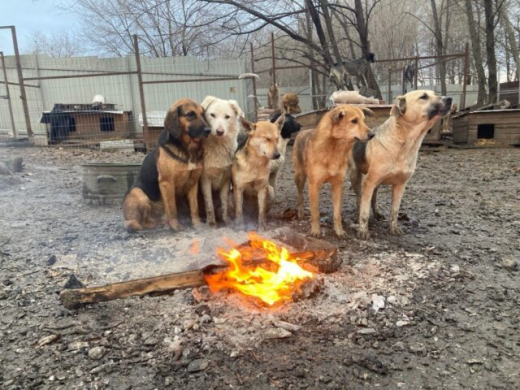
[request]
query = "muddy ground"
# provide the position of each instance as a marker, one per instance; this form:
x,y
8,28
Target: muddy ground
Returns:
x,y
450,290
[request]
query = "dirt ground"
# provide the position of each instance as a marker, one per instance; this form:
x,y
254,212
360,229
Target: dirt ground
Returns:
x,y
437,308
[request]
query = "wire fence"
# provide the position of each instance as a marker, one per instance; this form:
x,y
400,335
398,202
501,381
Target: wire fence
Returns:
x,y
94,102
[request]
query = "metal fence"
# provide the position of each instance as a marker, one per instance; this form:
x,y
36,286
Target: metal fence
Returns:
x,y
89,101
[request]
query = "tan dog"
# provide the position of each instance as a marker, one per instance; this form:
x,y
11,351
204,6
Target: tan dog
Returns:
x,y
223,116
447,121
171,172
251,167
390,158
273,96
322,155
290,103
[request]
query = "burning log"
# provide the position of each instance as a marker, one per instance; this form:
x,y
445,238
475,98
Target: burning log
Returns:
x,y
317,256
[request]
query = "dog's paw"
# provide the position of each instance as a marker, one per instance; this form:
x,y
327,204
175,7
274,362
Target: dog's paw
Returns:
x,y
175,226
395,230
262,227
301,214
378,216
363,234
340,233
315,234
212,222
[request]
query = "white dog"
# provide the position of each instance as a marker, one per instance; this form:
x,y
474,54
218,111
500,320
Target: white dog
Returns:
x,y
219,151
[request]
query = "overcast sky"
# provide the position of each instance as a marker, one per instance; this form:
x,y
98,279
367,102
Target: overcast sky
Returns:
x,y
29,16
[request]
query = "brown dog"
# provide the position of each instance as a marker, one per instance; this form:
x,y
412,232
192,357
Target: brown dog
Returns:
x,y
290,103
390,158
322,155
251,167
171,172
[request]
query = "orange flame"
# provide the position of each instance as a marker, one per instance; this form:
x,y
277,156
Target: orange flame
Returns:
x,y
270,286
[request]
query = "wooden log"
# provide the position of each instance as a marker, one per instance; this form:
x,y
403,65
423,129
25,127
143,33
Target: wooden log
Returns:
x,y
75,298
316,256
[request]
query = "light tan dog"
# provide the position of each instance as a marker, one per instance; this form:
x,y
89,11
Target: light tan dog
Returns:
x,y
223,116
251,167
390,158
322,155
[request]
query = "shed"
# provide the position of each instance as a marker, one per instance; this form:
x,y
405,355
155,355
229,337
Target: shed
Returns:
x,y
499,125
86,122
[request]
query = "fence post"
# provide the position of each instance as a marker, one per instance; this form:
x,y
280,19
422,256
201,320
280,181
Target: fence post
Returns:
x,y
465,80
255,98
273,59
389,97
416,66
23,96
9,104
140,82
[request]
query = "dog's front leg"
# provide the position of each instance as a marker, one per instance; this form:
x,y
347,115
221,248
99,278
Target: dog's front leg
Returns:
x,y
314,203
194,205
262,199
367,189
337,194
239,199
208,200
397,196
167,189
224,199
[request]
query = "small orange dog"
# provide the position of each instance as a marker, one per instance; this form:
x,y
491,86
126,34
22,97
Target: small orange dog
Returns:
x,y
322,155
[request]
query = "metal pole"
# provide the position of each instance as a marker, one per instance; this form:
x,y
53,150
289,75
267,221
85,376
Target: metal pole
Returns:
x,y
465,80
255,99
416,76
23,96
389,97
273,59
9,104
140,82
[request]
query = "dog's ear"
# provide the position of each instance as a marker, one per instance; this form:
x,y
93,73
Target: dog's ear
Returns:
x,y
399,107
280,122
337,115
207,102
368,111
171,122
236,108
247,126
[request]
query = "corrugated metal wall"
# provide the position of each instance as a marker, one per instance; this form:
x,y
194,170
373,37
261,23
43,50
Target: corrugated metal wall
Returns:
x,y
122,90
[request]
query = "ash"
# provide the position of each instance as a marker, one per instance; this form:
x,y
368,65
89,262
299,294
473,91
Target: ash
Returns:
x,y
435,308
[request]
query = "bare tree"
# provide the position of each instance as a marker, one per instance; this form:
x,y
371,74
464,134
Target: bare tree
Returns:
x,y
474,36
57,45
165,27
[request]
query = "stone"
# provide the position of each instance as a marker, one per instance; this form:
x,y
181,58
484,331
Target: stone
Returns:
x,y
510,264
96,353
198,365
276,333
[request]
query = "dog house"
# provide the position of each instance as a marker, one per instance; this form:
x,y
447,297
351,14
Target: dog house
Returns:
x,y
500,125
81,122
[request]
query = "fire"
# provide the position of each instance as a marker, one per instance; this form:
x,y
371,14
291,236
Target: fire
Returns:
x,y
271,286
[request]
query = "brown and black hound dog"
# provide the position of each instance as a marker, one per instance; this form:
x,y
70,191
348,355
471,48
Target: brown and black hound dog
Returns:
x,y
171,172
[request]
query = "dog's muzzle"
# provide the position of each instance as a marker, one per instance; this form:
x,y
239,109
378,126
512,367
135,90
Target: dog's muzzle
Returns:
x,y
276,156
442,108
199,131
